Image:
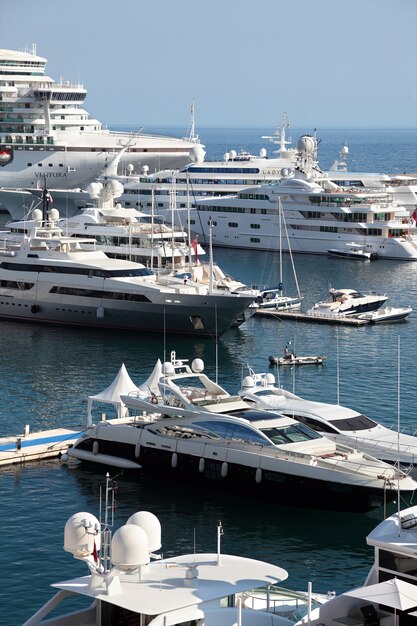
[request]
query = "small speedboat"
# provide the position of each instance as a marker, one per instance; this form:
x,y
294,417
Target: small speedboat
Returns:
x,y
292,359
387,314
353,250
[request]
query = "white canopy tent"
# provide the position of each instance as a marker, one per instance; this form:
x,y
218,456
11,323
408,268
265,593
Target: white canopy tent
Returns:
x,y
124,385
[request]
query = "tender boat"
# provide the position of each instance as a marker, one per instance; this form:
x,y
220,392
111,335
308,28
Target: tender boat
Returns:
x,y
342,302
387,314
293,359
194,431
129,583
51,278
353,250
339,423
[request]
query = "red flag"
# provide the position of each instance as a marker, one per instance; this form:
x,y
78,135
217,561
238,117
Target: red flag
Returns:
x,y
194,246
95,555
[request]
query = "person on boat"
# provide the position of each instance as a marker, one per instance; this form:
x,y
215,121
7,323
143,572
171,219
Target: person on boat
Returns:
x,y
287,352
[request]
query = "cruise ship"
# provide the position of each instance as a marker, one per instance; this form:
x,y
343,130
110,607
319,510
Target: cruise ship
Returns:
x,y
46,134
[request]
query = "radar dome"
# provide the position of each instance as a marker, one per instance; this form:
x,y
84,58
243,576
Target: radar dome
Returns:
x,y
115,188
233,154
37,215
226,156
151,525
54,215
81,532
248,382
145,169
270,379
93,189
345,150
306,144
168,369
129,548
197,365
284,172
130,168
197,154
262,153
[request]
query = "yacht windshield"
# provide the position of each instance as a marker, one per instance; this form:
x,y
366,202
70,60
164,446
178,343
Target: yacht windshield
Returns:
x,y
294,433
357,422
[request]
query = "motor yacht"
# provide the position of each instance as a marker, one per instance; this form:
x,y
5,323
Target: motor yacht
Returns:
x,y
49,277
46,133
192,430
128,581
342,302
319,215
135,236
388,596
336,422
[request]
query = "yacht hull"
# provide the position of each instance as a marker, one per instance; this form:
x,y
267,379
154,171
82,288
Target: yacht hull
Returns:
x,y
177,314
273,485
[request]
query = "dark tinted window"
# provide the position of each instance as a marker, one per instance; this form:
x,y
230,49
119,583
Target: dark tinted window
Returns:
x,y
357,422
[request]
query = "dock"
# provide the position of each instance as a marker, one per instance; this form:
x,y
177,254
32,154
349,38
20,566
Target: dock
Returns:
x,y
297,316
37,446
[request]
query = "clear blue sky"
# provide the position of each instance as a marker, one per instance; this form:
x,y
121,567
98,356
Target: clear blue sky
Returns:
x,y
244,62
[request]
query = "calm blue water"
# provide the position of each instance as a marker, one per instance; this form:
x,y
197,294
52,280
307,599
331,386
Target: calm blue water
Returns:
x,y
46,375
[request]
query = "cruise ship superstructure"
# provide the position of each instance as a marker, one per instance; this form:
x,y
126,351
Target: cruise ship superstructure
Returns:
x,y
46,134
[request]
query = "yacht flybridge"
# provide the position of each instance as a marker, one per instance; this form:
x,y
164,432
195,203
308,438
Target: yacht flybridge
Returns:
x,y
189,428
53,278
129,583
46,133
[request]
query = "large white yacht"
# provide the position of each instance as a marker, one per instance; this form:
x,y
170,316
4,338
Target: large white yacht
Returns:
x,y
52,278
318,214
45,133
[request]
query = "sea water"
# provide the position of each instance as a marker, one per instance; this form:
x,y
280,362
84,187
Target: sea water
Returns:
x,y
46,375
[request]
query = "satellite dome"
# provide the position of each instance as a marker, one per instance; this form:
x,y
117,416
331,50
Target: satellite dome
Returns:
x,y
345,150
129,548
233,154
197,154
248,382
306,144
226,156
284,172
145,169
37,215
130,168
262,153
54,215
168,369
197,366
81,532
151,525
115,188
270,379
93,189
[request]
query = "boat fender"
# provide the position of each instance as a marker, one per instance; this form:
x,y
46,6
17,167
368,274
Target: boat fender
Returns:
x,y
100,312
174,460
154,399
201,465
137,450
225,467
95,447
35,308
258,475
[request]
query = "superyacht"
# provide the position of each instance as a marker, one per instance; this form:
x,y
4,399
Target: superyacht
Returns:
x,y
46,133
318,212
51,278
